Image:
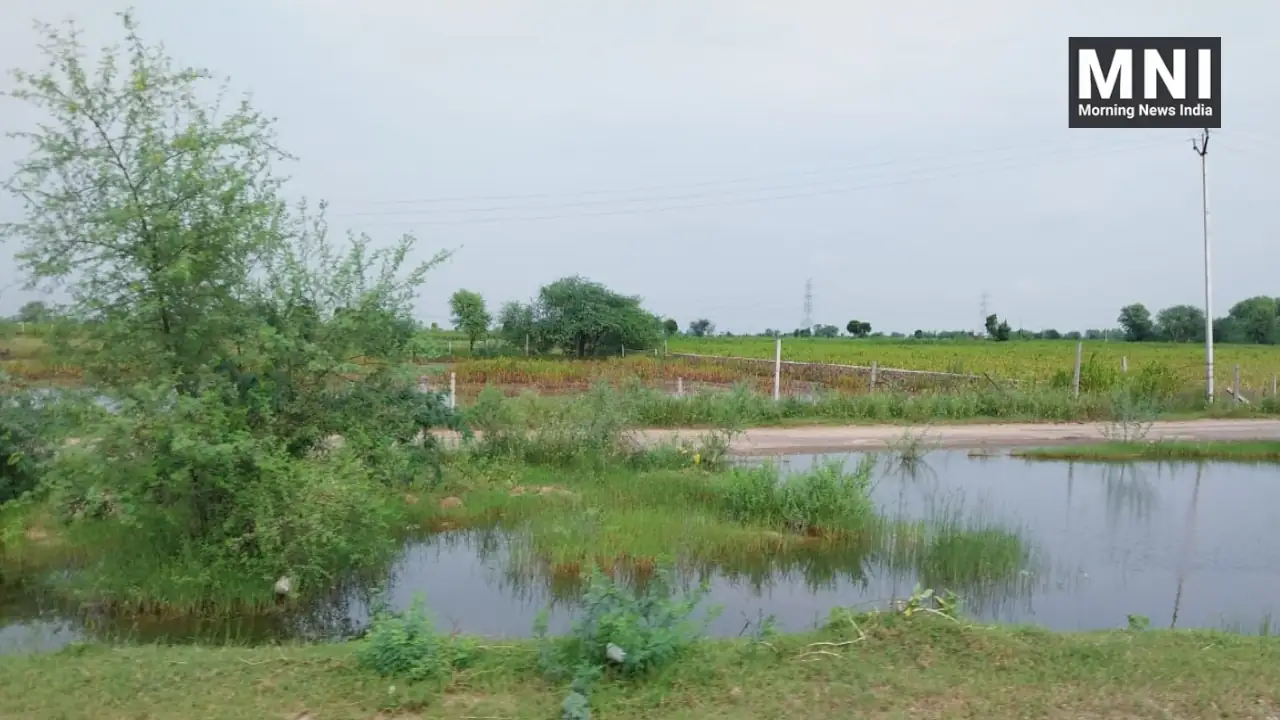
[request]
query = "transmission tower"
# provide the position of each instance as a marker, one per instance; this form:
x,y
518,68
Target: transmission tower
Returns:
x,y
808,304
982,308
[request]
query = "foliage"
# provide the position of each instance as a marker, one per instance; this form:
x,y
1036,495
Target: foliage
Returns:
x,y
157,206
1181,323
228,328
670,327
1255,320
34,311
469,315
189,470
407,645
24,444
584,318
1136,321
630,632
997,329
857,328
702,327
516,323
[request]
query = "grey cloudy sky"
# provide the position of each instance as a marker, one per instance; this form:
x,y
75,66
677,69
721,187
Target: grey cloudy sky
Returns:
x,y
709,155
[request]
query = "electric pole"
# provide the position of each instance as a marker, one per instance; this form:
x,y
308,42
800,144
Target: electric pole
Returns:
x,y
1201,146
982,309
808,304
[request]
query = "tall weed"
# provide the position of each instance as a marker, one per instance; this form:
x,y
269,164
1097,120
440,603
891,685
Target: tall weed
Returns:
x,y
827,498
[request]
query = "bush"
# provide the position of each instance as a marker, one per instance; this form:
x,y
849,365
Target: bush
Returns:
x,y
21,447
406,645
189,476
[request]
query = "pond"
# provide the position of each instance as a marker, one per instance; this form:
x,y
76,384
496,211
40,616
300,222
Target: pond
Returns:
x,y
1183,545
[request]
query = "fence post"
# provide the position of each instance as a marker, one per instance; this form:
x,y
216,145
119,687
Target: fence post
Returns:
x,y
1235,388
874,371
453,390
1124,365
1075,383
526,344
679,387
450,348
624,351
664,346
777,371
1273,384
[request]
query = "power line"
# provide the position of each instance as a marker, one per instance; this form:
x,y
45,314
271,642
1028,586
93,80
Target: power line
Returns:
x,y
983,152
739,201
986,159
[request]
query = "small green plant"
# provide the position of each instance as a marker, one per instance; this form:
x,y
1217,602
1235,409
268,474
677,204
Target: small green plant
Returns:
x,y
407,645
910,449
1139,623
1132,415
627,631
946,603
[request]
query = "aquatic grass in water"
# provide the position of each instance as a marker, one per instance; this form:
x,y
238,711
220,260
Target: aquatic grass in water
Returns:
x,y
1253,451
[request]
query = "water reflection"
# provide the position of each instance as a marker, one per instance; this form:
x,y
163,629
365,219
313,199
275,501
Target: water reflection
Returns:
x,y
1188,543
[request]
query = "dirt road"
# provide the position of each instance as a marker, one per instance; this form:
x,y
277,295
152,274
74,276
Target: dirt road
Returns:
x,y
772,441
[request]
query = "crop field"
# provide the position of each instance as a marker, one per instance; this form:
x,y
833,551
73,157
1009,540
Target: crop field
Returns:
x,y
810,364
1035,362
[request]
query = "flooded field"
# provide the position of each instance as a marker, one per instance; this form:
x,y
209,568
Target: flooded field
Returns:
x,y
1181,545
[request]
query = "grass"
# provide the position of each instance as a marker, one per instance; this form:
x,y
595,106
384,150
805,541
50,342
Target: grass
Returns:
x,y
1254,451
887,666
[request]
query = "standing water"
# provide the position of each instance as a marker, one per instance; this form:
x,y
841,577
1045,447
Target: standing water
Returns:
x,y
1183,545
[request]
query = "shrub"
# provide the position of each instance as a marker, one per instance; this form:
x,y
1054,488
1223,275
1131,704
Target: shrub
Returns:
x,y
650,625
188,475
407,645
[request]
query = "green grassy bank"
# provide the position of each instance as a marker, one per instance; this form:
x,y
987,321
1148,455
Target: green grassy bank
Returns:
x,y
1252,451
885,666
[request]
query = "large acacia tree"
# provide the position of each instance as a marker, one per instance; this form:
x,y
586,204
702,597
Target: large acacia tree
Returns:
x,y
582,318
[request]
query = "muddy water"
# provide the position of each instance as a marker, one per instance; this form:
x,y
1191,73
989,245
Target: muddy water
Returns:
x,y
1185,545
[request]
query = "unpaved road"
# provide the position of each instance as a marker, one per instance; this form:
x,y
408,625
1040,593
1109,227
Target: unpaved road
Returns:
x,y
814,439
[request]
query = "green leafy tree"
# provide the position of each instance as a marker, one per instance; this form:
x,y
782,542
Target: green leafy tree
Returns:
x,y
470,315
1254,320
1136,322
702,327
584,318
34,312
515,323
826,331
998,329
670,327
226,326
858,328
1180,323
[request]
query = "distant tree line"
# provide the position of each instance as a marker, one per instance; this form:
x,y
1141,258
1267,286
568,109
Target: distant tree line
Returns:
x,y
1254,321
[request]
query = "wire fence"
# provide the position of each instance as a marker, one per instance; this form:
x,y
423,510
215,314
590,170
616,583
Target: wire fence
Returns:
x,y
685,374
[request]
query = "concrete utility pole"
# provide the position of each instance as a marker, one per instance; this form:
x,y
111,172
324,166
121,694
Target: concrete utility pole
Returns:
x,y
1201,146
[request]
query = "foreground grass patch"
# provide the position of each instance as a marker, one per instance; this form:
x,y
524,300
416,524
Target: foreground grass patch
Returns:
x,y
1223,450
888,666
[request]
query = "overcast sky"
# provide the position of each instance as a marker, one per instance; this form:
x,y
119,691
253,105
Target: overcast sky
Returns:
x,y
710,155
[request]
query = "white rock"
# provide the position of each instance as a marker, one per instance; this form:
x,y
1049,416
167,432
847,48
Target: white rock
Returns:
x,y
615,653
284,585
